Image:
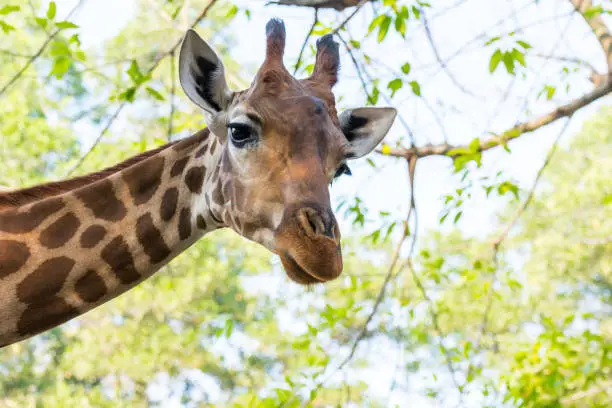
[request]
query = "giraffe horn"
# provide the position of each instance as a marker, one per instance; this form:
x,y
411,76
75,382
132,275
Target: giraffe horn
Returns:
x,y
327,63
275,45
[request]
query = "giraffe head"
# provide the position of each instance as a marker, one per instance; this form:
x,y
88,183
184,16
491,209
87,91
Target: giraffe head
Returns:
x,y
282,143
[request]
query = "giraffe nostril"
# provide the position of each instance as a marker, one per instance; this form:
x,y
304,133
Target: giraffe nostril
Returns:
x,y
314,224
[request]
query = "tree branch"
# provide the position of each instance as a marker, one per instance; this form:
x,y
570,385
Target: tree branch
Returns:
x,y
520,129
598,26
334,4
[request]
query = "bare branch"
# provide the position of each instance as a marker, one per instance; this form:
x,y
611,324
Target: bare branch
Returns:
x,y
443,65
520,129
504,233
357,68
312,27
334,4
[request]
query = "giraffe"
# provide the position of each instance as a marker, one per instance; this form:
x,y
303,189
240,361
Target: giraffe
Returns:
x,y
262,167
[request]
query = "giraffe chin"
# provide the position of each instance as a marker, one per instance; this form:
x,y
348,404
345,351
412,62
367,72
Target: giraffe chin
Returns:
x,y
318,261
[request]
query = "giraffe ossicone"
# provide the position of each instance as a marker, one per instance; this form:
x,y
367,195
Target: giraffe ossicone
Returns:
x,y
262,167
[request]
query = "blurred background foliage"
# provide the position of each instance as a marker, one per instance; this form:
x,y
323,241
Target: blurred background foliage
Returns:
x,y
517,315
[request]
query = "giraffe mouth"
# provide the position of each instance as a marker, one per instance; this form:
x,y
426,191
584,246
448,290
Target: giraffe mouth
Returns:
x,y
306,276
296,273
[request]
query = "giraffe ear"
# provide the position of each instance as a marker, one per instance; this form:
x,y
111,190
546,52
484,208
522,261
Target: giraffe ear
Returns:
x,y
202,75
366,127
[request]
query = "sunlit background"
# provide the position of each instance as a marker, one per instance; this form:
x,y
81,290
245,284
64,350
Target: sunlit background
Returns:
x,y
500,293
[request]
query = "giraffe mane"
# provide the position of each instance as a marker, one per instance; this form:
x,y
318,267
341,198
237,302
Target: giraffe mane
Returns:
x,y
16,198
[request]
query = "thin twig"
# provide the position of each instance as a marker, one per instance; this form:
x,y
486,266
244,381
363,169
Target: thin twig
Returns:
x,y
38,53
312,27
349,17
443,64
357,69
523,206
124,103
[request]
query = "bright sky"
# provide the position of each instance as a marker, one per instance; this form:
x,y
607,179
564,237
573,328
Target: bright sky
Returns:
x,y
464,117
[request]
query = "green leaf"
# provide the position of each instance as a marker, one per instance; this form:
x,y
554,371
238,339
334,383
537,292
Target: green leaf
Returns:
x,y
492,40
355,44
384,28
416,12
6,27
376,22
128,94
457,217
8,10
495,60
406,68
550,91
474,145
394,85
416,88
51,11
41,21
400,25
232,12
519,56
65,25
60,66
523,44
592,12
508,60
155,94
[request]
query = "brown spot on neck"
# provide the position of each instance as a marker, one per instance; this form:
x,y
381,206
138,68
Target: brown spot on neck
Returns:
x,y
201,222
184,227
144,179
46,281
90,287
178,167
60,232
92,236
168,204
151,239
195,179
118,256
100,198
16,222
39,317
13,255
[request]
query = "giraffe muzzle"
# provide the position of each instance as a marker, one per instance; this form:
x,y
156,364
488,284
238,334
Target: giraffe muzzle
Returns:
x,y
308,243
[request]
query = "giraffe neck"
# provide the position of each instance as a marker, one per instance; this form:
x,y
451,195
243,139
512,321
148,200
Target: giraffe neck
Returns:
x,y
66,253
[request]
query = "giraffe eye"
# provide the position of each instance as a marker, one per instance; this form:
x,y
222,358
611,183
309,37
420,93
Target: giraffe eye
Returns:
x,y
343,169
240,134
